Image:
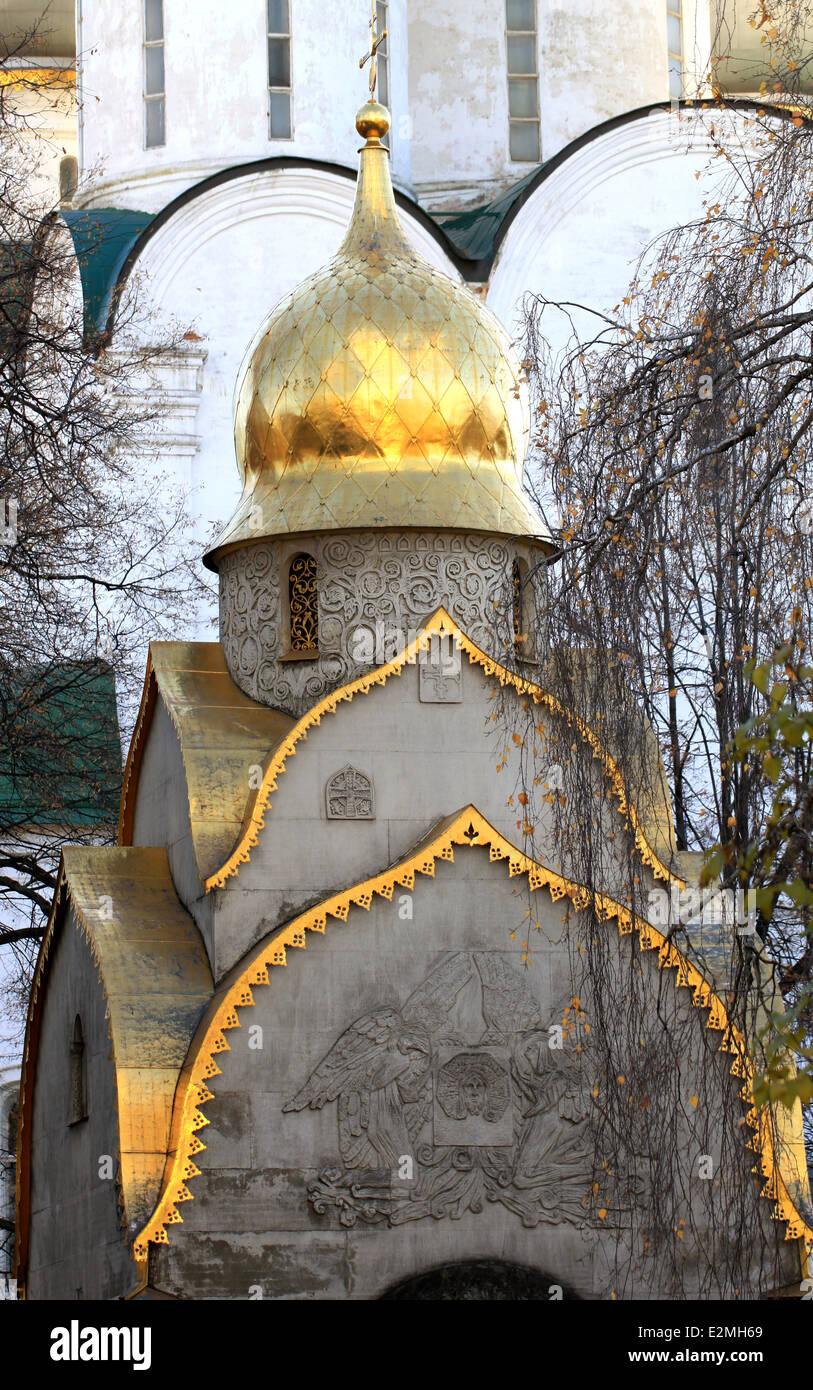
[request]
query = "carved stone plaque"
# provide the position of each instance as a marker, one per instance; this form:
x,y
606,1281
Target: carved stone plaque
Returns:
x,y
439,673
349,795
440,1112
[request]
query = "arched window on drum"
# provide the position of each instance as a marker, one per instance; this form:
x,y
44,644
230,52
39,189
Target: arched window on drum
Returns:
x,y
303,603
520,611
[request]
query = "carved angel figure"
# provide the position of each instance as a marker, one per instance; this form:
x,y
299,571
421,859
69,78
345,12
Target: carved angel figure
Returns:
x,y
508,1004
378,1069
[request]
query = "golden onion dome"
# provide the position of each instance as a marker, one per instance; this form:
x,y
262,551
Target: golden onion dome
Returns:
x,y
379,393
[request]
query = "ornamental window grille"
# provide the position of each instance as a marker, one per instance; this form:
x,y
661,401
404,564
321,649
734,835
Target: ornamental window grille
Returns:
x,y
523,81
518,607
280,85
303,600
674,32
78,1088
349,795
154,75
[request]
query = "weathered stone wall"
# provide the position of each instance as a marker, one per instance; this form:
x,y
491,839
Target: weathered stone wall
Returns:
x,y
162,815
375,589
426,759
77,1248
216,78
592,64
391,1103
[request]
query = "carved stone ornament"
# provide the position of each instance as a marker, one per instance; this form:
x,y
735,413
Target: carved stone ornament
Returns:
x,y
434,1124
374,591
349,795
440,678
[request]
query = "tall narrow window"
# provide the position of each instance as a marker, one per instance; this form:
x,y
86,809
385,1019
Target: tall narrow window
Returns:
x,y
303,599
154,84
78,1097
523,81
517,607
279,70
674,38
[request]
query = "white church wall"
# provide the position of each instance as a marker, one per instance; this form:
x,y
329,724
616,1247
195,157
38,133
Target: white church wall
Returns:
x,y
217,93
427,761
458,97
579,235
593,63
46,122
597,61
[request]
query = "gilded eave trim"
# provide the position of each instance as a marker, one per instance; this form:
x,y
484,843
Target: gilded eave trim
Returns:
x,y
467,829
440,624
38,77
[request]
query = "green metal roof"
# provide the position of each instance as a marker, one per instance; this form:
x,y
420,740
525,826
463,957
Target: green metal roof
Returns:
x,y
60,750
472,233
102,239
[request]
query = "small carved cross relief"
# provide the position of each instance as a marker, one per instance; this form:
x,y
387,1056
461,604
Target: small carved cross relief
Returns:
x,y
349,795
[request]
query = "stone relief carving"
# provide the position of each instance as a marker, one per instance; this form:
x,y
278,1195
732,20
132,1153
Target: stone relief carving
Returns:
x,y
440,675
349,795
434,1123
374,590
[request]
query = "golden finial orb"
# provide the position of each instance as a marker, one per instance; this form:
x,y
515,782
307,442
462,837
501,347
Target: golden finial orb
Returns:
x,y
372,121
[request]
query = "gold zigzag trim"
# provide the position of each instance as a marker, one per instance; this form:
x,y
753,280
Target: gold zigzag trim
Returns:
x,y
469,829
439,625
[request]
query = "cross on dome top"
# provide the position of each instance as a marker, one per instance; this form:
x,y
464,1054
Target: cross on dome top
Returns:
x,y
372,57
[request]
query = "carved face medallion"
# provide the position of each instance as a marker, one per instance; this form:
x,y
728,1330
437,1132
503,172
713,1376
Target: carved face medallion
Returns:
x,y
473,1097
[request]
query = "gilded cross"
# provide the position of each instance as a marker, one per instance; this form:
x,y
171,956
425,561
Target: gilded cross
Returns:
x,y
376,41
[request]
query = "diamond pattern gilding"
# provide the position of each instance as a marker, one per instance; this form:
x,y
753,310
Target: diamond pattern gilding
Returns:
x,y
380,393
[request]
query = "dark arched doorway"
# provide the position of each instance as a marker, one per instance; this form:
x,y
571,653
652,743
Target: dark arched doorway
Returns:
x,y
481,1280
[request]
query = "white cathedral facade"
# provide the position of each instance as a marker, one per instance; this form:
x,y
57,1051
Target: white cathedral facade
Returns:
x,y
207,155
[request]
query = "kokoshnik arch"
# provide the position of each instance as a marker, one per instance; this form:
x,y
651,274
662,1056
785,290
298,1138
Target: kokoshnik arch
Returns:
x,y
387,1104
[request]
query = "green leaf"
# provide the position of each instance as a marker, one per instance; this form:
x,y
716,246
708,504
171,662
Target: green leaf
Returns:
x,y
713,865
798,890
787,1092
765,900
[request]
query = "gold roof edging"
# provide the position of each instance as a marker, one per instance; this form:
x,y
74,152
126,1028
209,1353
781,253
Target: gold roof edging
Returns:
x,y
467,829
441,623
221,732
